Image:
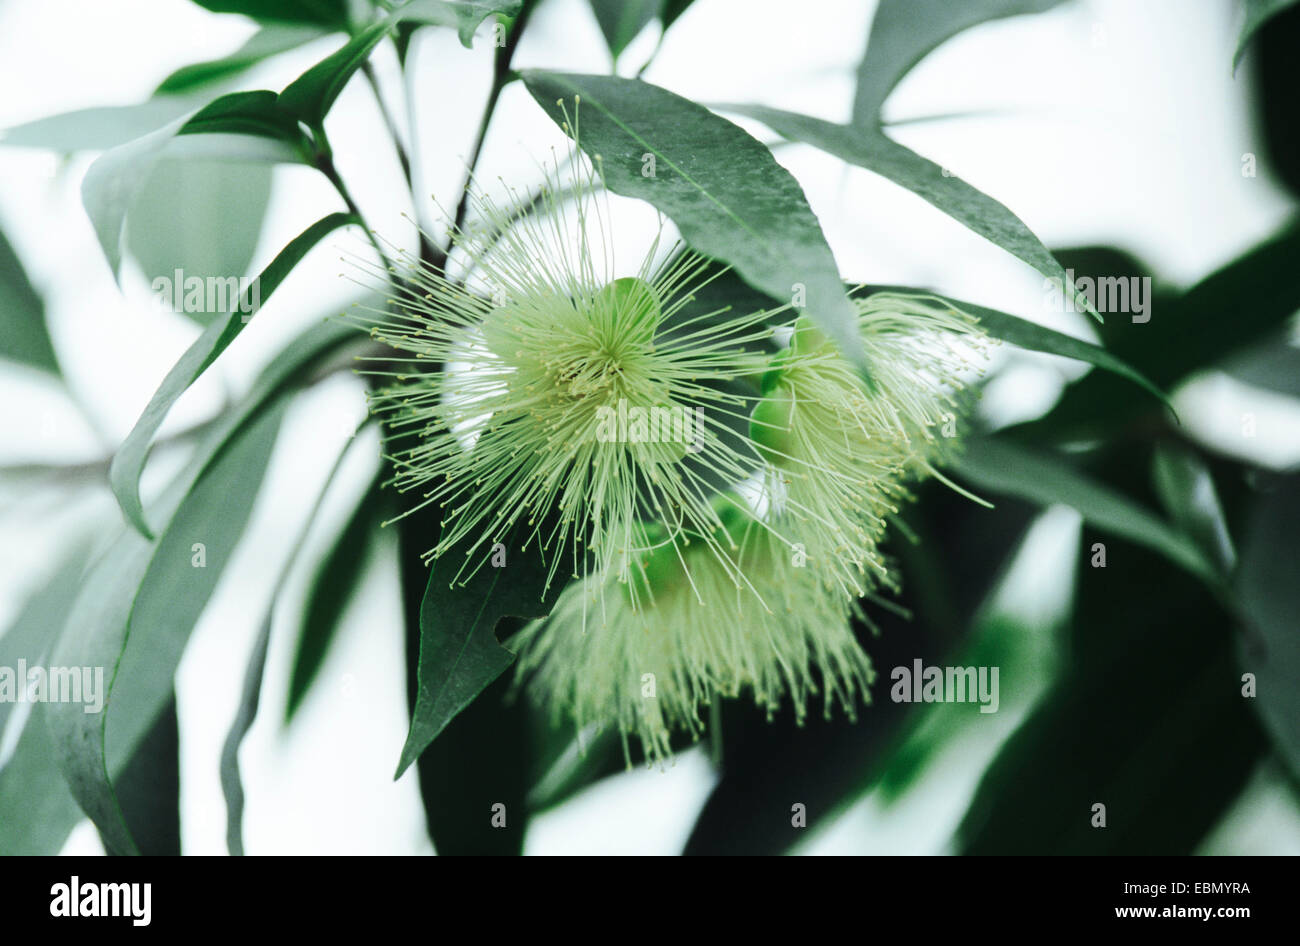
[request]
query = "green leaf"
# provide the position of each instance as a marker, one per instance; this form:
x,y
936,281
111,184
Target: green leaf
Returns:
x,y
459,652
1148,720
310,97
1270,600
462,15
1186,490
333,585
1258,12
265,43
1001,466
135,613
98,129
203,219
128,463
233,127
330,13
870,148
672,9
621,21
149,787
723,189
904,32
23,335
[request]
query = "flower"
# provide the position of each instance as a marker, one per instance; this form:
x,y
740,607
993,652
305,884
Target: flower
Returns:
x,y
840,451
562,400
647,663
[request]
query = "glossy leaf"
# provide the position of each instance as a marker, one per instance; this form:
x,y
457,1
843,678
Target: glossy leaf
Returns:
x,y
128,463
723,189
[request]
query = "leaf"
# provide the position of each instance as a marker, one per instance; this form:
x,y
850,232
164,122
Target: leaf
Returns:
x,y
1270,600
135,614
333,585
1186,489
331,13
310,97
672,9
872,149
1147,720
464,16
149,788
1258,12
98,129
1034,337
265,43
459,652
199,219
724,190
231,127
23,335
1001,466
621,21
903,32
128,463
257,114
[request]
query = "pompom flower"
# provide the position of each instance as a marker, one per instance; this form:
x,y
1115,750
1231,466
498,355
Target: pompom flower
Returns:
x,y
841,451
562,402
647,663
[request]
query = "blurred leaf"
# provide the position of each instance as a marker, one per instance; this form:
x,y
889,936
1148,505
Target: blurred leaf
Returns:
x,y
233,127
1148,720
98,129
128,463
267,42
1277,76
331,13
621,21
135,613
1270,599
23,335
722,188
1273,365
202,218
1258,12
149,788
1003,467
770,764
872,149
1186,488
333,585
672,9
904,32
462,15
459,652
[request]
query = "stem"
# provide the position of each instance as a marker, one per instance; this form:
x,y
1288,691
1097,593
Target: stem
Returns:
x,y
403,158
501,76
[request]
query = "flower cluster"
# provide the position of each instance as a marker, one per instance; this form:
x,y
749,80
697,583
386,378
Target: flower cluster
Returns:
x,y
715,500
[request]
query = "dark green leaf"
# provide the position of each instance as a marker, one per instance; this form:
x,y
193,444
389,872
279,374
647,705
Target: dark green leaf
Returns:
x,y
310,97
904,32
128,463
254,114
23,335
149,788
329,13
462,15
622,20
1258,12
722,188
1270,599
332,587
459,652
